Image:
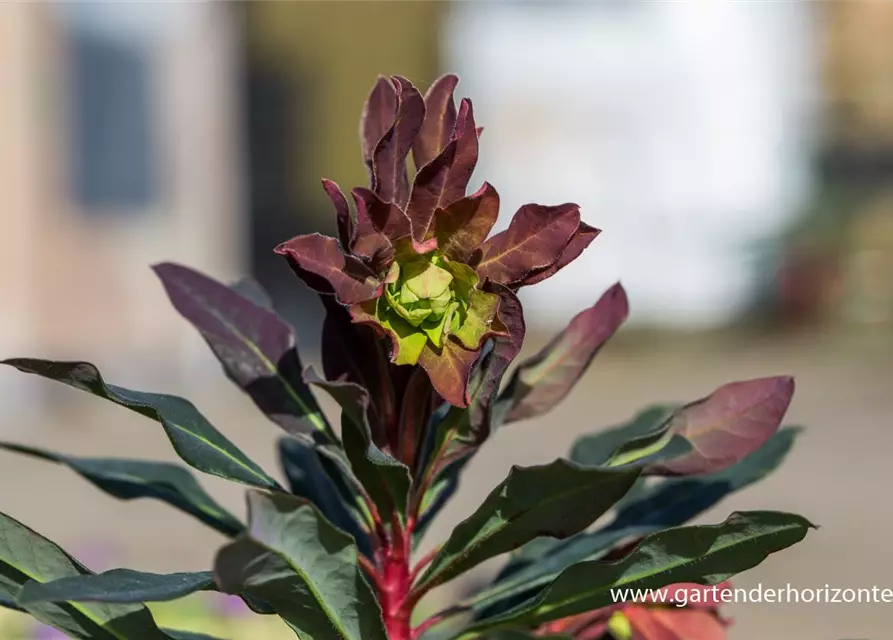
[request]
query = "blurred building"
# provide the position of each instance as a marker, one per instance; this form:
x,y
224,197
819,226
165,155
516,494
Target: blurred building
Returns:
x,y
120,146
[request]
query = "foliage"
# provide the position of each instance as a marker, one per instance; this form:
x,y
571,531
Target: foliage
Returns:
x,y
422,324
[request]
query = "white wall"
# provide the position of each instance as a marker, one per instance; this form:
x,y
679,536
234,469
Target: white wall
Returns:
x,y
682,129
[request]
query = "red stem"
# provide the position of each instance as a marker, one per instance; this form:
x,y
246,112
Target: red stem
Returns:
x,y
394,582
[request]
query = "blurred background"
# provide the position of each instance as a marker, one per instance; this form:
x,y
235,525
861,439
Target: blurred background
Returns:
x,y
738,156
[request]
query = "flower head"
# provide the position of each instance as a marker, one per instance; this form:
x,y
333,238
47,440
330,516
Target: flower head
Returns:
x,y
415,261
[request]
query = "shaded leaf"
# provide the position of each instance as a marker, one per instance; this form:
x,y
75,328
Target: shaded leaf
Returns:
x,y
342,213
249,288
194,439
27,556
677,500
386,479
118,586
309,478
558,500
131,479
598,448
440,120
374,215
428,192
732,422
344,275
534,240
255,346
541,382
304,567
699,554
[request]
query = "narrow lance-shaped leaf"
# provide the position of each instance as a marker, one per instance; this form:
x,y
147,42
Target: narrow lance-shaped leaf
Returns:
x,y
255,346
541,382
117,586
194,439
732,422
699,554
27,556
389,157
558,500
304,567
131,479
598,448
386,479
462,227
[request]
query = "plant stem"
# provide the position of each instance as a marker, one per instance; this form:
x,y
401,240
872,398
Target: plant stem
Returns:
x,y
394,582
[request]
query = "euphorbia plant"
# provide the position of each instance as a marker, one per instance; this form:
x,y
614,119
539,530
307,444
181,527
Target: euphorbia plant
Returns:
x,y
422,323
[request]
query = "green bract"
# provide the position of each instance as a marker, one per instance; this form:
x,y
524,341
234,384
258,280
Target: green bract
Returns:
x,y
422,324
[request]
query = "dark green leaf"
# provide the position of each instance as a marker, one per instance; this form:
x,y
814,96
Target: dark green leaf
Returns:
x,y
118,586
130,479
541,382
599,448
386,479
558,500
304,567
676,500
27,556
309,478
255,346
698,554
194,439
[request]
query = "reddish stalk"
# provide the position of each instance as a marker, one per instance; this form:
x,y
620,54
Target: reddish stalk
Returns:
x,y
394,582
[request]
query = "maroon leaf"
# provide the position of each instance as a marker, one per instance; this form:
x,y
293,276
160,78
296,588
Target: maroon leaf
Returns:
x,y
465,158
462,227
496,362
378,117
541,382
449,368
389,157
414,413
255,346
582,238
534,240
320,256
428,191
342,213
732,422
374,215
440,120
352,353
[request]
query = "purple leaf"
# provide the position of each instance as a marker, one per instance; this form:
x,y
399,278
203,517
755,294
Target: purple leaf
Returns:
x,y
582,238
374,215
465,158
541,382
342,213
496,362
463,227
255,346
732,422
347,277
534,240
389,157
440,120
352,353
414,413
378,117
428,191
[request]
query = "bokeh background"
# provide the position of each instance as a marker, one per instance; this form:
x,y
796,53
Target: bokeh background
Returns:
x,y
738,156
